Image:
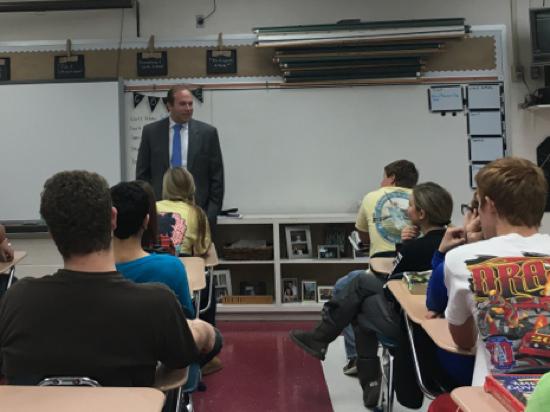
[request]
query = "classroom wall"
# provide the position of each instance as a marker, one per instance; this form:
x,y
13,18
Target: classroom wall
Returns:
x,y
176,18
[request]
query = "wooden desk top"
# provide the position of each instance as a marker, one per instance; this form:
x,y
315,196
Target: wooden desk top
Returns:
x,y
414,305
78,398
167,379
475,399
438,330
18,255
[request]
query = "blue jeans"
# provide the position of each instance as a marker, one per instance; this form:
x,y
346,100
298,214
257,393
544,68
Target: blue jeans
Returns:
x,y
349,336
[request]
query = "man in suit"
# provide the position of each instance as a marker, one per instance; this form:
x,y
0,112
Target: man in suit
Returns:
x,y
180,141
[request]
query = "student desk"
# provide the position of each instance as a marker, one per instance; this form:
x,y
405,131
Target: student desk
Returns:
x,y
9,267
413,305
82,399
474,399
438,331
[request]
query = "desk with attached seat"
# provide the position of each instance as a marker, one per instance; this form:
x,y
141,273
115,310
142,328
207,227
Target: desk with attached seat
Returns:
x,y
78,398
9,267
474,399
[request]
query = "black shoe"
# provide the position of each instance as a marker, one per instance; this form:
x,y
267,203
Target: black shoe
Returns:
x,y
370,377
307,342
351,367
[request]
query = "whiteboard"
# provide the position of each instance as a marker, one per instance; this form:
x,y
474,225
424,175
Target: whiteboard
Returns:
x,y
291,151
483,96
486,149
50,127
446,98
486,123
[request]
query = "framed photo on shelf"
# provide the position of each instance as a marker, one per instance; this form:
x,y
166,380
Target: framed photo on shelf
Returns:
x,y
309,291
222,280
298,242
220,294
328,252
324,293
290,290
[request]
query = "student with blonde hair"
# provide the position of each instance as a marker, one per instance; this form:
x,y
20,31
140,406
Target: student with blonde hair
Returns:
x,y
178,194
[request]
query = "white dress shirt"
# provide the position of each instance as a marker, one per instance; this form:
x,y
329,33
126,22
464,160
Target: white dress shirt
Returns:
x,y
184,133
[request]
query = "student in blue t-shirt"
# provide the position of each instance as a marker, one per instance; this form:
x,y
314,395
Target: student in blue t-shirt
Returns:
x,y
133,210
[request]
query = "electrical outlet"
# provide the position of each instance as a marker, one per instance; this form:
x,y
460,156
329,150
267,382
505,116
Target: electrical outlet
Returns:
x,y
199,21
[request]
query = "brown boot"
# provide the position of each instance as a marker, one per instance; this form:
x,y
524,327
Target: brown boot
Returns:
x,y
370,376
211,367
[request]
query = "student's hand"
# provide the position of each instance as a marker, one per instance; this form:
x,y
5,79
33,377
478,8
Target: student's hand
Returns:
x,y
409,233
453,237
6,252
473,230
433,315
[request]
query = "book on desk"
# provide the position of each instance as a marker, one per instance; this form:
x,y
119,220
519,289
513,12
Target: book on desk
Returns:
x,y
417,282
511,390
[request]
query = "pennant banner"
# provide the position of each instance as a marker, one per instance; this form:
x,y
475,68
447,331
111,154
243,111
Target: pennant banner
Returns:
x,y
165,102
137,99
153,101
198,94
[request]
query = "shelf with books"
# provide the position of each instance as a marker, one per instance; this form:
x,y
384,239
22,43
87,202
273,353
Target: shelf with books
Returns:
x,y
325,256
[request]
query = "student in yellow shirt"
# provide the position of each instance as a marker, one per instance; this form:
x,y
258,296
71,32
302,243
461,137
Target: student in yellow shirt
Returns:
x,y
191,232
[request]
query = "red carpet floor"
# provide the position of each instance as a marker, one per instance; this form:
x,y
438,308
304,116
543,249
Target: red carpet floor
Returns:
x,y
264,371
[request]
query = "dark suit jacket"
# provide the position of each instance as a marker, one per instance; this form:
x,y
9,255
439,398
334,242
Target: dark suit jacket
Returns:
x,y
204,161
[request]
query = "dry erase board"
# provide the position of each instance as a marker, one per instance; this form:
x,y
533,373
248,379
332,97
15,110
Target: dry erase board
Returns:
x,y
320,150
445,98
50,127
483,96
485,123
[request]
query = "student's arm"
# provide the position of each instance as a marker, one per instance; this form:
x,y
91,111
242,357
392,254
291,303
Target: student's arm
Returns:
x,y
6,252
436,295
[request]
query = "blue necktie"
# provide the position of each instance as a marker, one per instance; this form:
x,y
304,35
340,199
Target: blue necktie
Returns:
x,y
176,146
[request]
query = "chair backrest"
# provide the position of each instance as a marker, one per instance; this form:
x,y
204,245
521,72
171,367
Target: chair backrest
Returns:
x,y
382,265
195,266
168,379
68,381
211,258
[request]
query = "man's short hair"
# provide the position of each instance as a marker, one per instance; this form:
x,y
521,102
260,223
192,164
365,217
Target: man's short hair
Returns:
x,y
132,204
76,206
404,171
173,90
517,187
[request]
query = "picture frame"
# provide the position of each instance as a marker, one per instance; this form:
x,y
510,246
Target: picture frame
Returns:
x,y
220,293
222,280
289,290
328,252
309,291
298,242
324,293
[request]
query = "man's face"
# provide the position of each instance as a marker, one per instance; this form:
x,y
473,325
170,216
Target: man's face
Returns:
x,y
182,109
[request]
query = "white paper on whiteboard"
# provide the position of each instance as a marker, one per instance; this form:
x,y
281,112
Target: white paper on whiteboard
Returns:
x,y
486,149
485,123
483,96
474,168
446,98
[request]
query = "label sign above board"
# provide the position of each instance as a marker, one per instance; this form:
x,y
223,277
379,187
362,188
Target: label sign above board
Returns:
x,y
152,64
221,61
5,74
66,67
445,99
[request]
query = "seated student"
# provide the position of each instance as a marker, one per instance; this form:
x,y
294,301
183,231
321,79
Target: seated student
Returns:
x,y
498,297
363,303
380,220
458,367
6,252
178,193
86,319
133,206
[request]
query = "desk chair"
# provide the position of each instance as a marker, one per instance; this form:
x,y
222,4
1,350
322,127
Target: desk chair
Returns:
x,y
387,394
195,268
178,384
210,261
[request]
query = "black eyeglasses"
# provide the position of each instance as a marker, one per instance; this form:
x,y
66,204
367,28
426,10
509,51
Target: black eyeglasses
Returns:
x,y
466,208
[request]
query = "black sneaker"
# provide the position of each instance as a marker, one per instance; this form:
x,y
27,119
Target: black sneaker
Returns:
x,y
351,367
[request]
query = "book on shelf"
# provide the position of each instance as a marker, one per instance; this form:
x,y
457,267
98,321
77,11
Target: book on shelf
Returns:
x,y
512,391
417,282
